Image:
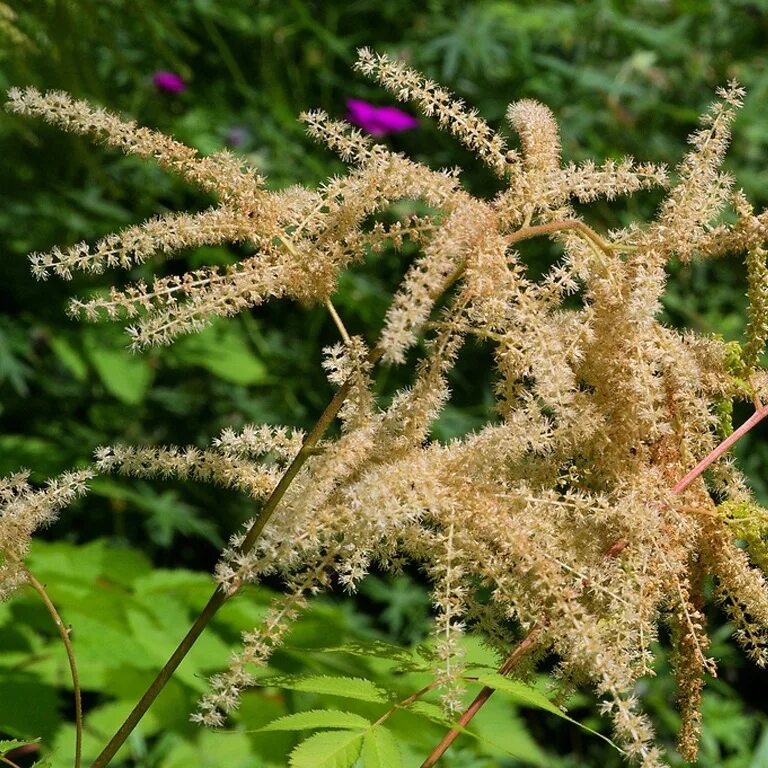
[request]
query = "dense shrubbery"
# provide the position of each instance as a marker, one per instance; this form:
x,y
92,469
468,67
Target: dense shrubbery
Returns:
x,y
621,79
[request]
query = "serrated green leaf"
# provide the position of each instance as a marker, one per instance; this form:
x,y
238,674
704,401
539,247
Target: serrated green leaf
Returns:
x,y
346,687
530,697
80,563
6,745
520,692
374,648
329,749
380,749
431,712
406,660
317,718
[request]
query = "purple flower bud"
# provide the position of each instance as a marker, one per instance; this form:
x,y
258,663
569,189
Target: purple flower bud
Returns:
x,y
169,82
378,121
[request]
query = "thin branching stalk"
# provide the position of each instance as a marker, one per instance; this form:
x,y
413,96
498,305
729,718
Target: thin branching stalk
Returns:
x,y
338,321
526,233
64,634
406,702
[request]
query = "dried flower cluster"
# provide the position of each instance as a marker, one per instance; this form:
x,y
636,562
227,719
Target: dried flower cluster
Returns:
x,y
562,513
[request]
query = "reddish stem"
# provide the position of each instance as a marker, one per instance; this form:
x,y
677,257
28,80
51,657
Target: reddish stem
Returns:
x,y
522,648
714,455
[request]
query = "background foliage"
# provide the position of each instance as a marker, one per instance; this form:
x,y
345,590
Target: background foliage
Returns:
x,y
621,77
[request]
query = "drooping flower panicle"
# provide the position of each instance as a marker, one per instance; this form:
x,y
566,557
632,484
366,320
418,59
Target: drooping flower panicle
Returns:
x,y
562,513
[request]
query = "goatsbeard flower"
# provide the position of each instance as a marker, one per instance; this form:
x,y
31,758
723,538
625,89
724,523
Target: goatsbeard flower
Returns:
x,y
169,82
378,121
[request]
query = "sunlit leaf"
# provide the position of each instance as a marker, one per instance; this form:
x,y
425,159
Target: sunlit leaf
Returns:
x,y
317,718
329,749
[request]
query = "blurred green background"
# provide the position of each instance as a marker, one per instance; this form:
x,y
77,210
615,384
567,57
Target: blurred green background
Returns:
x,y
623,78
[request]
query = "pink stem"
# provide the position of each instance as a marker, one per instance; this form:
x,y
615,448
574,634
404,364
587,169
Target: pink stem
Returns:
x,y
755,418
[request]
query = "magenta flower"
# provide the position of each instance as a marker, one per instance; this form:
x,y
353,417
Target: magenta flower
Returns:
x,y
169,82
378,121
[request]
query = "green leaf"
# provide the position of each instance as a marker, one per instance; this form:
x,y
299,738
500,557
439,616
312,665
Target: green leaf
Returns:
x,y
208,749
346,687
82,563
329,749
156,631
317,718
380,749
501,730
6,745
192,585
223,350
431,712
125,565
503,735
520,692
760,757
376,649
69,357
27,705
123,375
530,697
167,514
